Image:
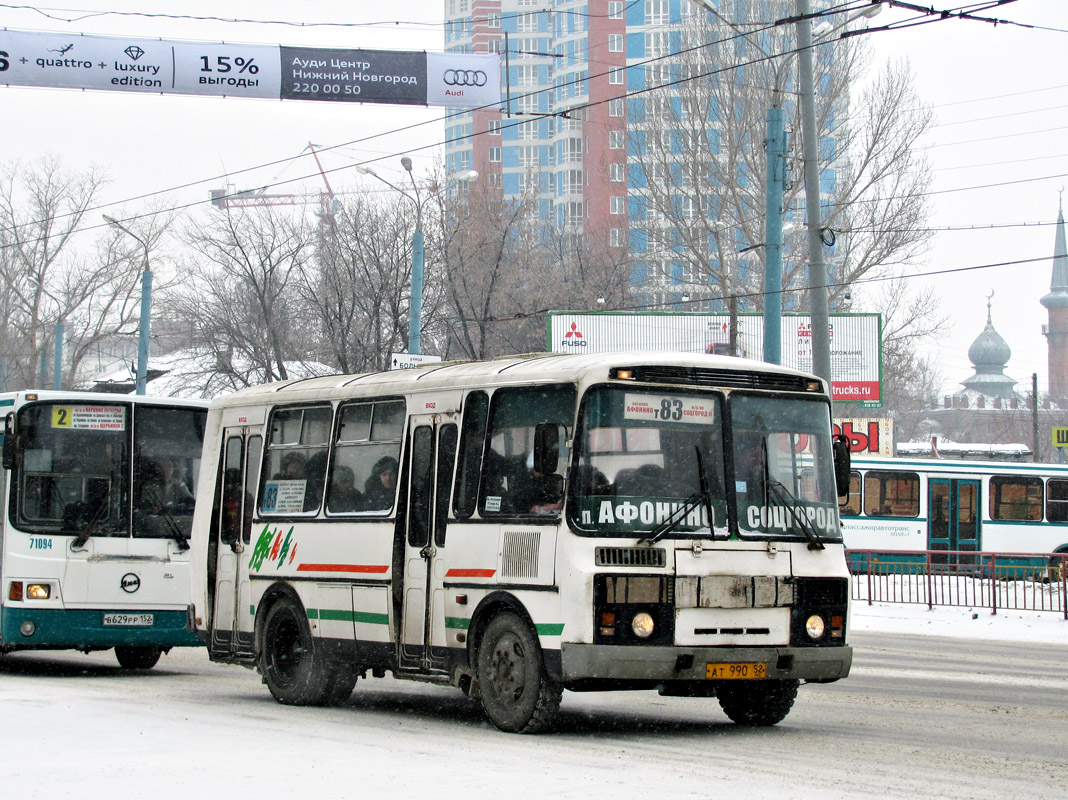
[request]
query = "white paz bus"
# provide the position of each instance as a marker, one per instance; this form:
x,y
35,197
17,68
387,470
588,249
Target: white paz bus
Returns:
x,y
527,525
95,516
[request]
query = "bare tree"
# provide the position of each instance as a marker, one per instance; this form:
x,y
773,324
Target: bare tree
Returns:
x,y
483,269
243,297
702,159
358,293
49,280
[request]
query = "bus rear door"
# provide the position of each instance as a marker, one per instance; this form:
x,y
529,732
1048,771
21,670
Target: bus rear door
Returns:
x,y
432,448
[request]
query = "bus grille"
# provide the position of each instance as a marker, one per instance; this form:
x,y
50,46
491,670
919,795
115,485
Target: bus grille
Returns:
x,y
630,557
735,379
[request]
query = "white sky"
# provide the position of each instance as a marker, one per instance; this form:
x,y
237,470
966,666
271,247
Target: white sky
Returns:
x,y
1000,96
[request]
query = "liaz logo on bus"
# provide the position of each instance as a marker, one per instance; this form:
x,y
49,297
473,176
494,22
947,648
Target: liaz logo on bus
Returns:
x,y
272,546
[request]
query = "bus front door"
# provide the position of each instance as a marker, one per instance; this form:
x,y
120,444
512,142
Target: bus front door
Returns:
x,y
953,520
231,531
432,446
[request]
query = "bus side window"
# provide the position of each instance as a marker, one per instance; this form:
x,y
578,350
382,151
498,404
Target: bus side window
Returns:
x,y
472,442
1057,500
849,505
296,460
1015,497
892,494
512,484
363,475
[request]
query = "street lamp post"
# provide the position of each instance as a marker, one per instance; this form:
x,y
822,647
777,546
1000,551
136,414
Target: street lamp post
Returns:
x,y
415,316
146,308
415,319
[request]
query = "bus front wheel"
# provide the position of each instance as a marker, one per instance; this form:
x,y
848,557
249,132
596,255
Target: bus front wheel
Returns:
x,y
137,657
517,693
292,670
757,703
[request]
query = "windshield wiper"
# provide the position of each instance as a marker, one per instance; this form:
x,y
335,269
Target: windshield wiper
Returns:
x,y
674,518
168,519
787,499
701,497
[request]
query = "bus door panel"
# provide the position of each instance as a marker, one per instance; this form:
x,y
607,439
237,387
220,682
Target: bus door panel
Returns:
x,y
432,446
232,624
953,518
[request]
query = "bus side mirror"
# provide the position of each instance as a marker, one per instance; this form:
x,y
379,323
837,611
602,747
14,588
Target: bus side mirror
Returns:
x,y
546,447
9,450
841,464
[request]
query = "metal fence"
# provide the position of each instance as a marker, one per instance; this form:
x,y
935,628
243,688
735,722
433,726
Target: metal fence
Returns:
x,y
998,581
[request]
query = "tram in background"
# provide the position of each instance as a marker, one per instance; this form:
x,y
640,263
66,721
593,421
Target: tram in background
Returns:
x,y
95,514
896,505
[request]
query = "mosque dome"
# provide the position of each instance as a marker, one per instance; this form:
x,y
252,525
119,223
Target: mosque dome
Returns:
x,y
989,354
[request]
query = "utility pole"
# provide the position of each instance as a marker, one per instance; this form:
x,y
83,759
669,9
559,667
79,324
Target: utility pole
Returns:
x,y
817,270
775,153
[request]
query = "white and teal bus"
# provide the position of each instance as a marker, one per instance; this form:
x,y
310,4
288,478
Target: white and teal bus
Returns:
x,y
527,525
898,507
97,506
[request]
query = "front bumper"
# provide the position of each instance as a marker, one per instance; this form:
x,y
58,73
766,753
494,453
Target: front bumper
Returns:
x,y
609,662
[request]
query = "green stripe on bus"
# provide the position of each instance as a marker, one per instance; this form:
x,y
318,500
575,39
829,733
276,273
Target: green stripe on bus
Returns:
x,y
549,629
371,619
457,623
10,401
336,615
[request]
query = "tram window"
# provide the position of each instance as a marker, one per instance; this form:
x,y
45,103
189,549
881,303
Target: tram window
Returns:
x,y
1057,500
892,494
296,460
849,506
1015,497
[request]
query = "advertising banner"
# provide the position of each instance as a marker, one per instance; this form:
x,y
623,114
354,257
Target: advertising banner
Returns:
x,y
60,60
856,363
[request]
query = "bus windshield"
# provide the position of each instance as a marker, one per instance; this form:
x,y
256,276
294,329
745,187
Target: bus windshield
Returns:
x,y
645,456
782,468
92,470
639,458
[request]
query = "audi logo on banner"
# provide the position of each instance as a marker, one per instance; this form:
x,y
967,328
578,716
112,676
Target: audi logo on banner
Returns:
x,y
464,77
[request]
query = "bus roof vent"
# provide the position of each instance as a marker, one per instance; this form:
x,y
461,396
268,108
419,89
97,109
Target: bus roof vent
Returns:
x,y
630,557
734,379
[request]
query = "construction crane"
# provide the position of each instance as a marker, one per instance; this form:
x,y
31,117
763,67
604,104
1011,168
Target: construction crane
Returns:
x,y
225,199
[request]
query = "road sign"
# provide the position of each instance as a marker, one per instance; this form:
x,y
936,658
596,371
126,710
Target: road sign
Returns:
x,y
407,360
1060,437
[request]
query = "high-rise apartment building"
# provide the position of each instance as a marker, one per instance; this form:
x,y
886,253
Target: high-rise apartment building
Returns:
x,y
589,85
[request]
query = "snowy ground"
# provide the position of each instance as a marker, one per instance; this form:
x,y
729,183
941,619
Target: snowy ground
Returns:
x,y
960,623
84,729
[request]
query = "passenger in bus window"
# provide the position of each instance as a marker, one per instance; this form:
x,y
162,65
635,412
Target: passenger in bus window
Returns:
x,y
539,494
344,496
381,486
292,467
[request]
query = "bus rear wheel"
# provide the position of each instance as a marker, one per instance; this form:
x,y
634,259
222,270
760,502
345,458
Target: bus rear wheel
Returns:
x,y
757,703
137,657
292,670
517,694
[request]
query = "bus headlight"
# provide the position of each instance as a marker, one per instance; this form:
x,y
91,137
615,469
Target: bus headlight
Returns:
x,y
38,591
28,628
815,626
642,625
